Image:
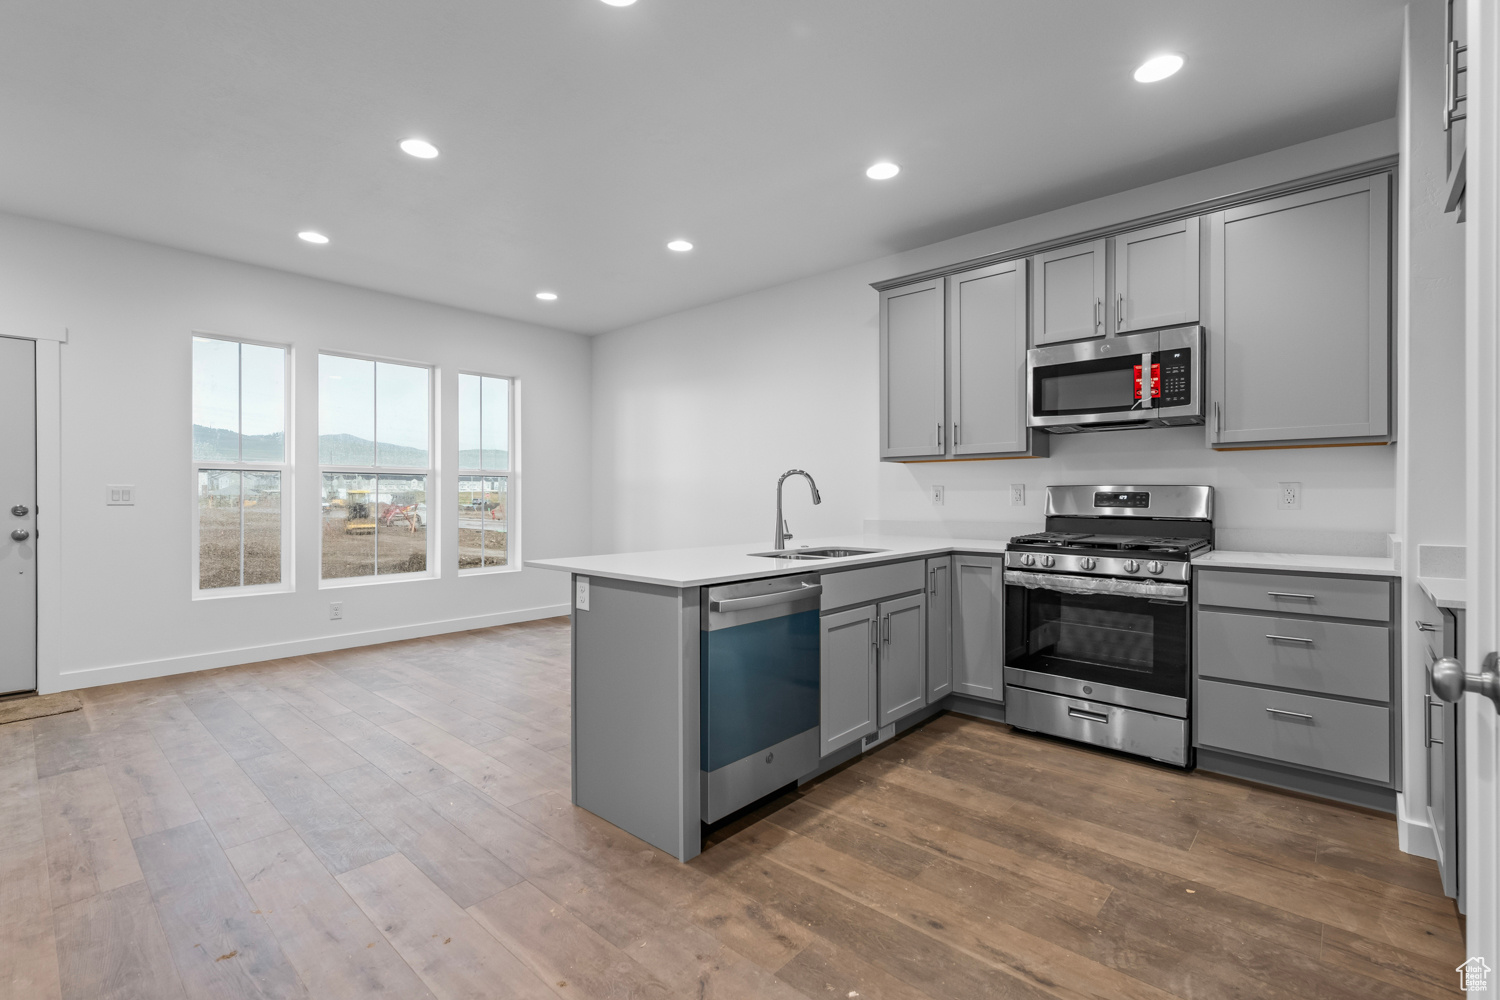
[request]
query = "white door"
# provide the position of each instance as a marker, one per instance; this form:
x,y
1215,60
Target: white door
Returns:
x,y
1482,262
18,516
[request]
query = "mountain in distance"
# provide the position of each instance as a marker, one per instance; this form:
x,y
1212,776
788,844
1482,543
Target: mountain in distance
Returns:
x,y
210,443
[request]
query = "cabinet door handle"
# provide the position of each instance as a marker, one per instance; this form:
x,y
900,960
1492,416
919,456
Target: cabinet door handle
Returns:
x,y
1426,626
1098,309
1290,715
1218,423
1300,597
874,632
932,581
1120,312
940,435
955,433
1289,638
887,620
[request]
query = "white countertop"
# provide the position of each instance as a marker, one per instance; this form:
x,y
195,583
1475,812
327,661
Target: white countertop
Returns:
x,y
726,563
1297,562
1445,591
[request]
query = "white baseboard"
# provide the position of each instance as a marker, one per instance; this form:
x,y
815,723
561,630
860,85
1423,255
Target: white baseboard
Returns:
x,y
1414,836
119,673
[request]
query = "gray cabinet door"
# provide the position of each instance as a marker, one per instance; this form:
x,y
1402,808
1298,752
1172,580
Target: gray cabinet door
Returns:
x,y
1299,317
849,643
1067,292
1156,277
903,657
912,407
939,628
987,360
978,627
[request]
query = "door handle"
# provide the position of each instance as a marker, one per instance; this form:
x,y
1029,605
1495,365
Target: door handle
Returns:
x,y
940,435
20,510
1426,626
1290,715
955,433
1098,311
887,629
1120,312
1450,682
1078,713
1289,638
1300,597
932,581
20,534
1218,423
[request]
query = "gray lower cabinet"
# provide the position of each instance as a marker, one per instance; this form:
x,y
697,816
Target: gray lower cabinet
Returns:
x,y
903,657
939,628
1309,688
1441,632
1299,317
913,408
979,626
1067,292
847,681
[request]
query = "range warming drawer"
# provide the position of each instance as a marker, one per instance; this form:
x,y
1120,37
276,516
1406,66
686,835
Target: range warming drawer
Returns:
x,y
1146,734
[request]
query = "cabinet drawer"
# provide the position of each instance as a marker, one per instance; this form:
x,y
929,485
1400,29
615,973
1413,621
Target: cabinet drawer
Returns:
x,y
1313,656
872,584
1327,596
1339,736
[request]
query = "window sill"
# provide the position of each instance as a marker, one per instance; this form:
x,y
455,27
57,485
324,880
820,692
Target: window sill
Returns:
x,y
371,581
219,593
489,570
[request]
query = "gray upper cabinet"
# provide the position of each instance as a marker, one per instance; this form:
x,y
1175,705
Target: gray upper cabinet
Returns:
x,y
939,628
912,405
978,627
849,644
1156,277
987,360
1299,317
1067,289
903,657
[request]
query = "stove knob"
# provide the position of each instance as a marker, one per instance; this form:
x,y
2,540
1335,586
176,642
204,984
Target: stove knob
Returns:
x,y
1154,568
1027,559
1088,562
1131,566
1048,561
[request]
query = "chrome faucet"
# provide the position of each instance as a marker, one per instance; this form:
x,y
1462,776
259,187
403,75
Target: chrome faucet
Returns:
x,y
782,529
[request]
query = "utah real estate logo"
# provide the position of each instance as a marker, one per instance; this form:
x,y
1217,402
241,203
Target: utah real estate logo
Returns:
x,y
1473,976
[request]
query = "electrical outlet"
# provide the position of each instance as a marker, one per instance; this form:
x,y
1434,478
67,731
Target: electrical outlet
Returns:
x,y
581,599
937,496
1289,496
335,611
1018,494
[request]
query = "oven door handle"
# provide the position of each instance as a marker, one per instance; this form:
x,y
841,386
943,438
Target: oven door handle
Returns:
x,y
1105,586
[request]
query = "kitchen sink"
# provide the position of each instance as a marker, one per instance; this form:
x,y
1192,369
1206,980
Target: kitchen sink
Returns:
x,y
828,553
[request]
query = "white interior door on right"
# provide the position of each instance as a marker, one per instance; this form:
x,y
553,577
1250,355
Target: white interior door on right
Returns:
x,y
18,495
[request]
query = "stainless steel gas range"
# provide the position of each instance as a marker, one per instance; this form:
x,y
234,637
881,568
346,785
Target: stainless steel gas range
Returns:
x,y
1098,617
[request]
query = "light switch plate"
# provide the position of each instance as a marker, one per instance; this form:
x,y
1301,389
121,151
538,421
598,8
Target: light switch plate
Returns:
x,y
937,496
116,495
581,597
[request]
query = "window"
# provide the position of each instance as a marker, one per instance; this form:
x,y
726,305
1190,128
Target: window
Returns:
x,y
486,480
239,464
375,454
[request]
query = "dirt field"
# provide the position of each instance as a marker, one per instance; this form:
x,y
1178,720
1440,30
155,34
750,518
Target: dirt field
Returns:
x,y
389,549
219,544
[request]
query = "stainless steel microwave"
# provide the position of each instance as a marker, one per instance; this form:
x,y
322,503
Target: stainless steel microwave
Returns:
x,y
1150,379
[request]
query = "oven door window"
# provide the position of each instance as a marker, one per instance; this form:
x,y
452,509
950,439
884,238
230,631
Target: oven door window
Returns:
x,y
1129,641
1107,385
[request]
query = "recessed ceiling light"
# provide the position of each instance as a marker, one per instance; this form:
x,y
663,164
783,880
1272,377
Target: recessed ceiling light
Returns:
x,y
420,148
1158,68
882,171
312,237
681,246
619,3
547,296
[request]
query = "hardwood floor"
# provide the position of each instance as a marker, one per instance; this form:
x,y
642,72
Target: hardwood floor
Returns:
x,y
394,821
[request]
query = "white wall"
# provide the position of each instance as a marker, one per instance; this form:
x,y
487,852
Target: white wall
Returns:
x,y
697,413
1430,363
126,607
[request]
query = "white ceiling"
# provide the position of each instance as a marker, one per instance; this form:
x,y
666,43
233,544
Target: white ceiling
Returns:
x,y
578,138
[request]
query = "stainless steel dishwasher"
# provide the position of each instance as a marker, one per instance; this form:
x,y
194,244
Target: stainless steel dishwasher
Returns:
x,y
758,689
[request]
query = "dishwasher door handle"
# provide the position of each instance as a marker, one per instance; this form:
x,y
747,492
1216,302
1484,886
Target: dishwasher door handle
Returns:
x,y
766,600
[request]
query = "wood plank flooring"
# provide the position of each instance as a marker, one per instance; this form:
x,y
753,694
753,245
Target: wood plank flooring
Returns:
x,y
394,821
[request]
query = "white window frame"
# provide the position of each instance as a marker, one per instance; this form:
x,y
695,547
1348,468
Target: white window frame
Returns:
x,y
434,494
511,475
288,503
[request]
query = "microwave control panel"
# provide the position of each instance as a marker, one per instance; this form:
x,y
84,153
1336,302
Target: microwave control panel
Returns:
x,y
1176,377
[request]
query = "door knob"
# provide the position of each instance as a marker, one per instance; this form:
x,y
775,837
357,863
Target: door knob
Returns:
x,y
20,534
1450,682
20,510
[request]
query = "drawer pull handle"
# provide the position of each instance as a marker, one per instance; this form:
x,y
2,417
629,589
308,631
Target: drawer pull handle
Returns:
x,y
1293,715
1078,713
1300,597
1289,638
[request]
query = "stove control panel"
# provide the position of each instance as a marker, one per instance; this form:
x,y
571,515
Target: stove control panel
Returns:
x,y
1176,570
1141,499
